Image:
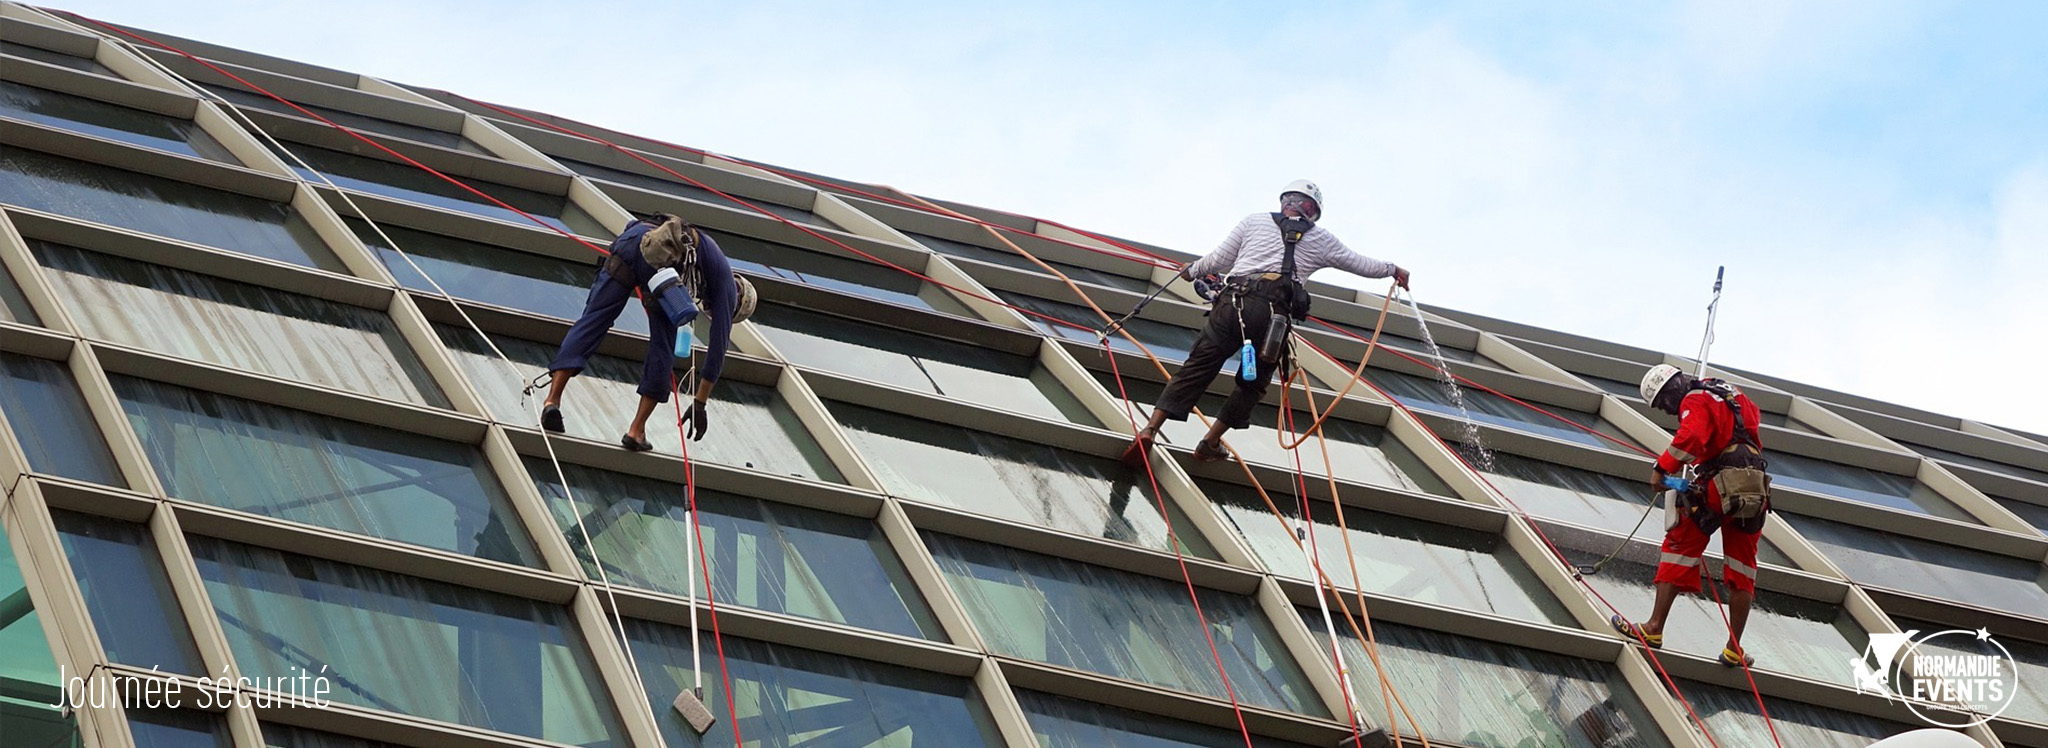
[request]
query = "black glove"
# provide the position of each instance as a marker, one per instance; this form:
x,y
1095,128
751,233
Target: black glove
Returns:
x,y
698,421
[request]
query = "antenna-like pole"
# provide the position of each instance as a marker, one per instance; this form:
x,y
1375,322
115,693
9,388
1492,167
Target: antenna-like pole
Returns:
x,y
1713,309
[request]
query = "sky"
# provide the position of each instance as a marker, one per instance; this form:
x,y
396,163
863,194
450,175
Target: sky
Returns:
x,y
1874,175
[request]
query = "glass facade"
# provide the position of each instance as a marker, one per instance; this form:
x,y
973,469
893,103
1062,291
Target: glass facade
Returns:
x,y
165,207
33,683
692,192
1009,259
406,182
491,275
240,98
857,277
14,306
1861,484
1569,494
1485,407
1169,342
239,325
1061,722
112,121
174,728
1926,567
1732,716
53,57
128,593
50,420
775,557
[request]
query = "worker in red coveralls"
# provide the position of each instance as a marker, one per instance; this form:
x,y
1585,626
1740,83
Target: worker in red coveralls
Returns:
x,y
1718,436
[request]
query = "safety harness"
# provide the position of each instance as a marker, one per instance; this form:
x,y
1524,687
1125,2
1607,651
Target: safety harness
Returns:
x,y
1737,473
1287,299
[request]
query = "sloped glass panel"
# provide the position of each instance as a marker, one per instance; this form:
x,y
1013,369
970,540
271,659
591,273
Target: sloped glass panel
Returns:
x,y
1785,633
1170,343
108,120
407,182
286,736
919,362
1061,722
2033,514
176,728
1415,347
1395,556
1861,484
751,426
857,277
691,191
349,476
238,325
51,422
60,59
33,681
127,593
491,275
165,207
1784,421
1360,452
1014,479
1883,559
1731,715
775,557
351,120
413,646
1569,494
1007,258
1120,624
14,306
1488,695
797,698
1979,462
1486,407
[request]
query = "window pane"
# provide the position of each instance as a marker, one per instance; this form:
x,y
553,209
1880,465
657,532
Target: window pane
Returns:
x,y
776,557
1732,717
1359,452
1486,407
1169,342
1786,633
108,120
1883,559
492,275
795,698
14,306
752,427
286,736
691,191
353,121
292,465
59,59
1488,695
1397,556
1007,258
418,647
176,728
2031,701
238,325
1120,624
166,207
1014,479
919,362
1979,462
857,277
1061,722
51,421
1418,347
1570,494
26,665
2034,514
128,593
408,182
1861,484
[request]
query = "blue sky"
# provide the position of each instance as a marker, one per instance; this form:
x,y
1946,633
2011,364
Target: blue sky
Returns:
x,y
1874,174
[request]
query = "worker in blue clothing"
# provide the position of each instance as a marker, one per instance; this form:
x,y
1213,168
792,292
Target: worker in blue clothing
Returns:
x,y
675,267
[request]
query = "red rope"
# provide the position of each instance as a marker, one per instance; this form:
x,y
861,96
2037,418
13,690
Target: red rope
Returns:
x,y
1744,662
1316,558
1173,542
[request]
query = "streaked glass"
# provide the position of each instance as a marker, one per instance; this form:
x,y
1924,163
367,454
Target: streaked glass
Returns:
x,y
1488,695
353,121
178,728
166,207
343,475
1061,722
51,422
413,646
1395,556
1861,484
1121,624
909,360
1569,494
1883,559
1170,343
692,192
1014,479
109,120
53,57
127,593
1485,407
789,697
842,274
1731,715
238,325
360,171
767,555
491,275
1007,258
751,426
14,306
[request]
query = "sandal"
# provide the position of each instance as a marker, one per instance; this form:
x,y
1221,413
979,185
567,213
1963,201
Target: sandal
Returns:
x,y
634,445
1209,451
1635,633
1139,449
1732,658
551,418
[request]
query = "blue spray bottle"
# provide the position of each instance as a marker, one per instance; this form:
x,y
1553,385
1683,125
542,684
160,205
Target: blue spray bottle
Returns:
x,y
1247,362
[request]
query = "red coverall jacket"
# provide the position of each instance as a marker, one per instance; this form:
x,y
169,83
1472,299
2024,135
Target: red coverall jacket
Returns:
x,y
1705,429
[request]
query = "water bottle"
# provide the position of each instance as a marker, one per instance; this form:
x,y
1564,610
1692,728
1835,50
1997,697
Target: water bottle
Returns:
x,y
1247,362
683,341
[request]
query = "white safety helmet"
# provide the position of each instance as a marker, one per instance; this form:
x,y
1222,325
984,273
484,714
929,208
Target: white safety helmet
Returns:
x,y
1655,379
748,298
1308,188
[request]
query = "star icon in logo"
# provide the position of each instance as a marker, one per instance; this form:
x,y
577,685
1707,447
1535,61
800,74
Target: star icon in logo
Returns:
x,y
1984,634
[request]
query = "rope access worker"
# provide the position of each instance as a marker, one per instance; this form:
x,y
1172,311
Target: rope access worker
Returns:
x,y
1718,434
672,265
1267,257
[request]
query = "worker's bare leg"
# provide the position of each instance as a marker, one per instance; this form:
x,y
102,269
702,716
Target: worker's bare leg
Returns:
x,y
1738,615
558,380
639,428
1667,593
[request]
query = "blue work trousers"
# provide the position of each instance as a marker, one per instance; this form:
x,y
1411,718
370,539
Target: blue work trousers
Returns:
x,y
608,297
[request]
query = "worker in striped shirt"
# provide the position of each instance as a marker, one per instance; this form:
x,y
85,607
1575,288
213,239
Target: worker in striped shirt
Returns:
x,y
1264,262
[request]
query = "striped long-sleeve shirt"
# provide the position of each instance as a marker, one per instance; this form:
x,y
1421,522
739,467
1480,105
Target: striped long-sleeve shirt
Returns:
x,y
1254,246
